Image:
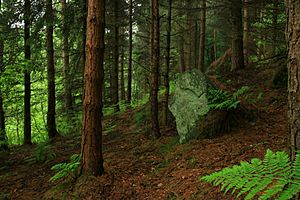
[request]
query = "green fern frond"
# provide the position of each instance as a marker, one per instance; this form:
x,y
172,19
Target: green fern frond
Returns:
x,y
65,169
274,176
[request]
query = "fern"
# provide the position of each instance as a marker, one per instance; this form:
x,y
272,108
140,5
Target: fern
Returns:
x,y
42,153
66,169
274,176
219,99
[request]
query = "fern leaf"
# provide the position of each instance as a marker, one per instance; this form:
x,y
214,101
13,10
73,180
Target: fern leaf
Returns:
x,y
259,187
249,185
273,190
290,192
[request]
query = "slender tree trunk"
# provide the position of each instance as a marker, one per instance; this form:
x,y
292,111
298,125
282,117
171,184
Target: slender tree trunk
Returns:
x,y
51,124
237,58
115,70
155,55
275,25
215,45
123,96
181,53
66,58
91,146
27,83
246,30
3,138
188,39
202,35
293,33
129,73
167,68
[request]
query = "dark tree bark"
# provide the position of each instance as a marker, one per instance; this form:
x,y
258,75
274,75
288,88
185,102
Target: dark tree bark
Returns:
x,y
91,146
237,58
84,16
155,55
246,30
129,73
167,68
202,35
51,123
181,52
3,138
293,33
115,70
122,74
66,58
27,83
275,25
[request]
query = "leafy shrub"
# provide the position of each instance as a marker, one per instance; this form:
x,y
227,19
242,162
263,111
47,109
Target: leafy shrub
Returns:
x,y
219,99
66,169
275,176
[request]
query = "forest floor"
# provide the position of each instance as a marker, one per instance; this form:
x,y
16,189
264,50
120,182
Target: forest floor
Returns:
x,y
138,167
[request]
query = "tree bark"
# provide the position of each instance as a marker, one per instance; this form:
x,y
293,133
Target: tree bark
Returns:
x,y
275,25
129,73
237,35
66,58
84,16
293,35
202,35
3,138
122,81
246,30
167,68
27,83
51,124
115,70
91,146
155,55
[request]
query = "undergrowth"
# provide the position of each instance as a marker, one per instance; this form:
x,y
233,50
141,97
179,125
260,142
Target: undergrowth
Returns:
x,y
63,170
42,153
274,176
219,99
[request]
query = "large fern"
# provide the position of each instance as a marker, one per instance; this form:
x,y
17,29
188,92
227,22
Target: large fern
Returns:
x,y
275,176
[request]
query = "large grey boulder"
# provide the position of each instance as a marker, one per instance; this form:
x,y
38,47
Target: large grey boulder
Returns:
x,y
189,105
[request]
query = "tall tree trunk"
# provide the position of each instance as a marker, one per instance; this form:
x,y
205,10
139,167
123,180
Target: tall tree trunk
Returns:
x,y
129,73
66,58
91,145
155,55
237,58
84,16
122,81
202,35
246,30
27,83
275,25
167,68
51,124
115,70
181,52
3,138
293,33
188,39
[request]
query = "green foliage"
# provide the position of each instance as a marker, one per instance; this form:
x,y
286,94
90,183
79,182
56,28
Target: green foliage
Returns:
x,y
64,170
275,176
219,99
42,153
140,117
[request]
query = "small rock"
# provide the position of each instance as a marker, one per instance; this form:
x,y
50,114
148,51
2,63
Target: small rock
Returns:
x,y
160,185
